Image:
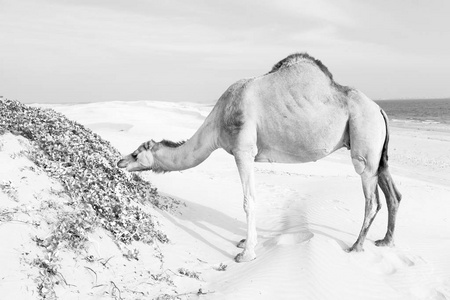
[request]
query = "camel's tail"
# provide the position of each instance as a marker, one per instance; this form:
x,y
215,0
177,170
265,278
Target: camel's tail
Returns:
x,y
383,166
384,153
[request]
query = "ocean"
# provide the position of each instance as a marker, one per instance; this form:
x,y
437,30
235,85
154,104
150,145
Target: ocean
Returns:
x,y
423,111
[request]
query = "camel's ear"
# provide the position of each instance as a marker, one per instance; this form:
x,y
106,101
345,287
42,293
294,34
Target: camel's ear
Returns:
x,y
149,145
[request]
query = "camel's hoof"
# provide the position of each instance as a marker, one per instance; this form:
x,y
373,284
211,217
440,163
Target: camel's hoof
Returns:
x,y
355,248
384,243
244,257
241,244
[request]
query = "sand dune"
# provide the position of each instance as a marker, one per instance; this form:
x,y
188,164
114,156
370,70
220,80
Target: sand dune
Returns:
x,y
307,215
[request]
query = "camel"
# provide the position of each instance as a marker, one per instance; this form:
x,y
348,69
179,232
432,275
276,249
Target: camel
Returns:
x,y
295,113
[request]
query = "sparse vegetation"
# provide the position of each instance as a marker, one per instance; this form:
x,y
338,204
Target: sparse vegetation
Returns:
x,y
6,215
49,276
132,254
9,189
188,273
222,267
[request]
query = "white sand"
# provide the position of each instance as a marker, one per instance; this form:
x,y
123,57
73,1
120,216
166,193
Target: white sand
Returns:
x,y
307,214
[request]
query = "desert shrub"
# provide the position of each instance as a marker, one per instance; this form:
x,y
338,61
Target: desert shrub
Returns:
x,y
85,165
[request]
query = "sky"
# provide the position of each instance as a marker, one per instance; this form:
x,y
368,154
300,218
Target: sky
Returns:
x,y
64,51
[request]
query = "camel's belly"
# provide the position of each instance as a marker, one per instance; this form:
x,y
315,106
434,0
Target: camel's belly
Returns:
x,y
282,156
294,144
301,137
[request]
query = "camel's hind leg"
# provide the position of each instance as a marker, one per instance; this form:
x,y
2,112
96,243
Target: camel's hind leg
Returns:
x,y
393,198
372,206
387,185
367,130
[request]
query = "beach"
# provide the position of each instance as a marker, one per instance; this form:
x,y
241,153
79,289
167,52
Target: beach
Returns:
x,y
307,216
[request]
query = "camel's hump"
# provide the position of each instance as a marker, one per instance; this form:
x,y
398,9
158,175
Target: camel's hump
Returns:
x,y
297,58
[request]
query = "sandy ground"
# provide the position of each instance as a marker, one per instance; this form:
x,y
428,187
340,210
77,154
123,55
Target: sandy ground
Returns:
x,y
307,215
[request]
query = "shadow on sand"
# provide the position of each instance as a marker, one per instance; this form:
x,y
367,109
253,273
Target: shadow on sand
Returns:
x,y
205,218
194,218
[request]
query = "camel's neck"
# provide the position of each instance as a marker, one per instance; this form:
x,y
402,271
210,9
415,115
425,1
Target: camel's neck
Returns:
x,y
189,154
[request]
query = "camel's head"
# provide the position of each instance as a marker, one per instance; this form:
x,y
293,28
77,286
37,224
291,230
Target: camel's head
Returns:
x,y
140,160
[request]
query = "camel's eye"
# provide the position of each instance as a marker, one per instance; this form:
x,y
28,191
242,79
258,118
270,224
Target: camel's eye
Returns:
x,y
134,155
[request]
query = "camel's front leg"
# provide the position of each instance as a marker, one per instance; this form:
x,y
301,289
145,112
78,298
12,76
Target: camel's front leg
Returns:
x,y
244,162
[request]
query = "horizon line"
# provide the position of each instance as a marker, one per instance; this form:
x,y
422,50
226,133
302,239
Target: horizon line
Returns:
x,y
205,102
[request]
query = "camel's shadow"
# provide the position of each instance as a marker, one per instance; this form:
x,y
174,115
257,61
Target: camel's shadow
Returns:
x,y
193,218
206,219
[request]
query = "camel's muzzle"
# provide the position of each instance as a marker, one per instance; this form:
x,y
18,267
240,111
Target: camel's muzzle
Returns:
x,y
122,163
